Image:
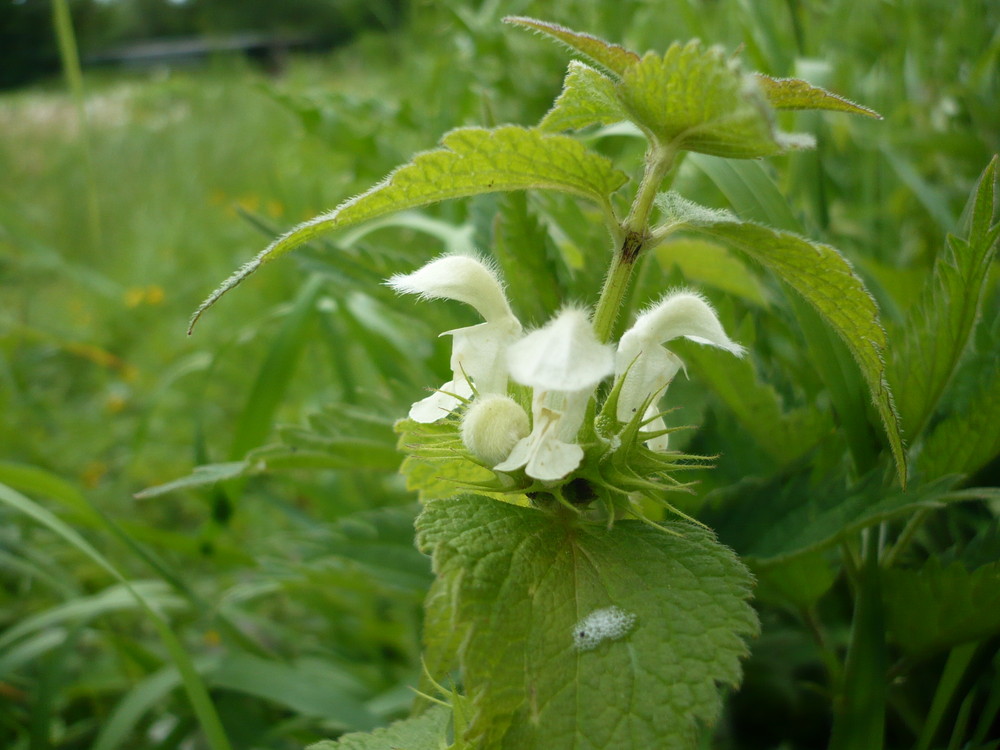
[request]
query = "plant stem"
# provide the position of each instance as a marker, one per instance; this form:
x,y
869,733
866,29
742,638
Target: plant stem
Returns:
x,y
70,58
859,707
635,233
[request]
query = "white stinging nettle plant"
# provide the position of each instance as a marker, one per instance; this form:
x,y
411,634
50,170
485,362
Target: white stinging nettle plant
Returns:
x,y
579,606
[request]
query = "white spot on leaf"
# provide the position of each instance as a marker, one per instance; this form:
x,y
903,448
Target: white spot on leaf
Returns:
x,y
608,624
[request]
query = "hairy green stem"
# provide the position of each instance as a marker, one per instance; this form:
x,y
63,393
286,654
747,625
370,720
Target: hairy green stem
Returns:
x,y
635,235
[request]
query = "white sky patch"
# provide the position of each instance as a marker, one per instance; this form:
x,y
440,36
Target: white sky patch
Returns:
x,y
608,624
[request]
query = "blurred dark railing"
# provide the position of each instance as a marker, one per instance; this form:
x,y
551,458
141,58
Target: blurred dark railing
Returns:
x,y
268,49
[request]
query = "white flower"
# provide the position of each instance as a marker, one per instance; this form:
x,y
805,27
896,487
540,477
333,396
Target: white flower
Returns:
x,y
563,362
648,368
477,353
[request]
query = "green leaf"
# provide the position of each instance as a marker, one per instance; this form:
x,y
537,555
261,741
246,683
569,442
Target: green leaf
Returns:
x,y
425,732
308,687
615,58
783,435
437,465
693,98
710,264
785,517
940,325
472,161
800,581
794,93
588,98
197,692
576,635
967,440
527,258
201,476
936,607
825,280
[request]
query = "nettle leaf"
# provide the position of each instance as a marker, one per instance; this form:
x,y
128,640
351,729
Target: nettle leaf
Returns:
x,y
428,731
472,161
588,98
575,635
710,264
794,93
941,324
825,280
695,99
785,517
935,607
785,435
967,439
615,58
528,260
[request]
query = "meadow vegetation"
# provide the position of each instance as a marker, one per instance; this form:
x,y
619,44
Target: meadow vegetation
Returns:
x,y
273,597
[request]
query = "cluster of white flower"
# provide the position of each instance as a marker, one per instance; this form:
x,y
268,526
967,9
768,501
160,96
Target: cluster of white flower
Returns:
x,y
562,362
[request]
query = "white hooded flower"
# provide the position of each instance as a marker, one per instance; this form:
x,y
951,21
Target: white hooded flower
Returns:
x,y
563,362
477,353
648,368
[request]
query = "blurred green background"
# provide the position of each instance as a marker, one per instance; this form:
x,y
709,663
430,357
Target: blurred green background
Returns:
x,y
297,592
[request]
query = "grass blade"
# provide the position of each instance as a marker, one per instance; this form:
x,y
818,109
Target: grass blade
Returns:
x,y
197,693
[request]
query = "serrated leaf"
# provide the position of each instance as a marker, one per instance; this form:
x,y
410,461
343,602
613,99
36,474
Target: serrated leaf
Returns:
x,y
785,517
710,264
588,98
940,325
826,281
471,161
525,252
615,58
693,98
201,476
965,441
794,93
667,617
436,464
425,732
783,435
937,607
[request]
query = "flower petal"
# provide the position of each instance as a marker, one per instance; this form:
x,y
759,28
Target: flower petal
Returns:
x,y
647,367
460,278
479,353
549,452
680,314
564,355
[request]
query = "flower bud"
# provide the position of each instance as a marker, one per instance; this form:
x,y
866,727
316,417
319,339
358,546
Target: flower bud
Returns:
x,y
492,426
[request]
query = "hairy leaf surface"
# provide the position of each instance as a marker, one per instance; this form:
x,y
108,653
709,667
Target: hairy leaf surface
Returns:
x,y
825,280
668,618
588,98
615,58
425,732
940,325
693,98
472,161
794,93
